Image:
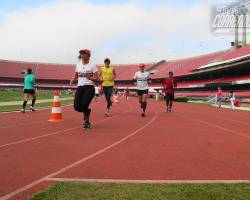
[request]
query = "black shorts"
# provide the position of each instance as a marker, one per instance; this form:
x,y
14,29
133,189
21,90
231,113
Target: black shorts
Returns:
x,y
169,97
83,97
29,91
142,92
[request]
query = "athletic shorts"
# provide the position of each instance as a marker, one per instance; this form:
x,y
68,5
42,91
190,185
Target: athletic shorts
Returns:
x,y
141,92
29,91
169,97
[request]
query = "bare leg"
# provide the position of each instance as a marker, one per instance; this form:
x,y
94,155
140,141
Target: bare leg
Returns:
x,y
25,100
144,102
33,101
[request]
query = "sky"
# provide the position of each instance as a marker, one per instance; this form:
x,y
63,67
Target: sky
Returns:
x,y
132,31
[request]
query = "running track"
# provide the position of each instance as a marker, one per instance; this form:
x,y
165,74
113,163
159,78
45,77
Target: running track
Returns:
x,y
192,144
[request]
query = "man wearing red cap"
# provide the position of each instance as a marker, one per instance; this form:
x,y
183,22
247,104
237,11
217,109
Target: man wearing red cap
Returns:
x,y
142,77
86,74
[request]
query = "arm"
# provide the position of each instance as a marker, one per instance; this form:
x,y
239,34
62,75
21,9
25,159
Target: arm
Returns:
x,y
35,84
149,78
135,79
95,78
100,74
94,75
174,83
34,81
74,79
163,83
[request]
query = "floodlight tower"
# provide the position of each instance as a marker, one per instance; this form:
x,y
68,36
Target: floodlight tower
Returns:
x,y
244,25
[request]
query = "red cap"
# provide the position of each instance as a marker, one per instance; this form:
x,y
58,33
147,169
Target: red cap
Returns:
x,y
86,51
142,65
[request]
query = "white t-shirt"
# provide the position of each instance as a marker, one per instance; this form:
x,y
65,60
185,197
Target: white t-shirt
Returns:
x,y
142,80
88,68
232,97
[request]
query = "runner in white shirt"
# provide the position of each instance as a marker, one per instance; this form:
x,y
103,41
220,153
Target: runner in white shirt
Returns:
x,y
142,77
86,74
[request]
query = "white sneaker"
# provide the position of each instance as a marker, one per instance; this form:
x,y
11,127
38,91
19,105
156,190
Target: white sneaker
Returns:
x,y
107,114
23,110
32,109
166,110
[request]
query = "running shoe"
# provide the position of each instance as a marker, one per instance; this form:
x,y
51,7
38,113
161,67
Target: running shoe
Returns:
x,y
166,110
87,125
143,114
32,109
23,110
107,114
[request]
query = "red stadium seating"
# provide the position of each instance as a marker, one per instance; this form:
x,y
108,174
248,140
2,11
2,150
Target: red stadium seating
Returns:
x,y
126,72
12,69
55,73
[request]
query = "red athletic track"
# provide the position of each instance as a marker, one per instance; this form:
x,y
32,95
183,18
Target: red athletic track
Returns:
x,y
191,143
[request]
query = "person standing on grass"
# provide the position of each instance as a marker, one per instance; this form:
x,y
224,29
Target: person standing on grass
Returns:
x,y
29,89
168,84
219,97
232,99
107,75
86,74
142,77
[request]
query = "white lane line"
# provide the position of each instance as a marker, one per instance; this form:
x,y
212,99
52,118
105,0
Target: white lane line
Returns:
x,y
3,114
145,181
223,118
216,126
59,132
38,109
239,122
26,187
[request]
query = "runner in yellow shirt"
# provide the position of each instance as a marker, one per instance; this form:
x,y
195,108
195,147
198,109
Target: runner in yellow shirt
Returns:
x,y
107,75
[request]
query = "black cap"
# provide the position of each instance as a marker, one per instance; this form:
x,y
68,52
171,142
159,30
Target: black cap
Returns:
x,y
107,60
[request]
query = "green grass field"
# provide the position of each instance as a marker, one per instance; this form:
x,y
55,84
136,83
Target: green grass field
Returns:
x,y
11,96
6,96
37,106
112,191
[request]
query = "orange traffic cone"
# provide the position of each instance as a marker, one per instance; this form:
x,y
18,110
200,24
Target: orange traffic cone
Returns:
x,y
56,112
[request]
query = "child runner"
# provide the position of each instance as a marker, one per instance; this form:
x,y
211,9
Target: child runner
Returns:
x,y
168,84
29,89
86,74
107,75
142,77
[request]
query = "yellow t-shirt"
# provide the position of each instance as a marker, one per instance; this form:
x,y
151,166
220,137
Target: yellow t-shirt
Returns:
x,y
107,76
